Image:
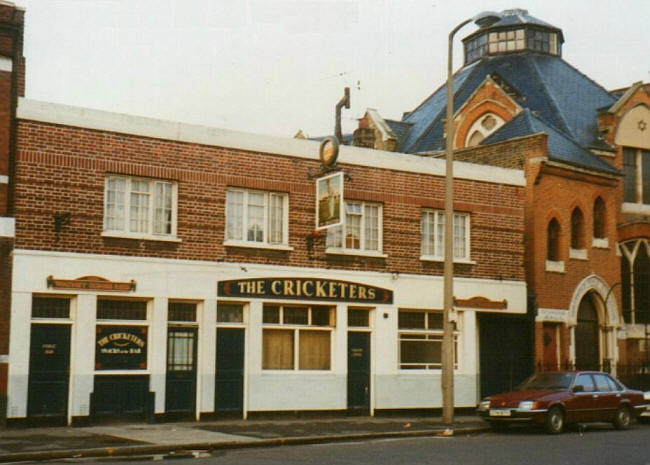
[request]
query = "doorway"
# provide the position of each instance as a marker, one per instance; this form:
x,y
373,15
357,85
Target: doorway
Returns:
x,y
229,385
587,335
180,390
359,371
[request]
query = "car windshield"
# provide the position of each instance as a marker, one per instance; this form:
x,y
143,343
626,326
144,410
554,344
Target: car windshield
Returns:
x,y
543,381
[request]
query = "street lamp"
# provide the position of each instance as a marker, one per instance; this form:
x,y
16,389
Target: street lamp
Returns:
x,y
447,362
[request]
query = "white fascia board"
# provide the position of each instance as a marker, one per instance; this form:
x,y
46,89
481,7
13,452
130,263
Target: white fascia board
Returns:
x,y
160,129
6,64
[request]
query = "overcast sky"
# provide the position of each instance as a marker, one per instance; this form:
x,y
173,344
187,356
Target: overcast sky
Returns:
x,y
276,66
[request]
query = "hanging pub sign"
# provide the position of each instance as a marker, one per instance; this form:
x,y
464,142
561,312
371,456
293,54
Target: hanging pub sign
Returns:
x,y
305,289
121,348
329,200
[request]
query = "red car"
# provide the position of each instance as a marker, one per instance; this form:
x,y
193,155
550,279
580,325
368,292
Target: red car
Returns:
x,y
556,399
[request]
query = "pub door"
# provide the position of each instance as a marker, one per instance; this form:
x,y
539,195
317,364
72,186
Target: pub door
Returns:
x,y
49,374
359,371
229,385
180,391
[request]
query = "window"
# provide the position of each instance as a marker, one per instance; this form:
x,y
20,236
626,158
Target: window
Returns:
x,y
359,318
420,340
361,230
139,207
635,281
577,229
181,350
256,217
297,337
599,219
636,181
50,307
543,41
230,313
433,235
506,41
553,241
585,380
182,312
121,309
483,127
475,48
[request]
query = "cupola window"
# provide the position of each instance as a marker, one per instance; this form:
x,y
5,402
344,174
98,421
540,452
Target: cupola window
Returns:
x,y
506,41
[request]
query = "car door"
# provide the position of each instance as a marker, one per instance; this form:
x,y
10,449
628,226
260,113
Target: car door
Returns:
x,y
580,404
606,402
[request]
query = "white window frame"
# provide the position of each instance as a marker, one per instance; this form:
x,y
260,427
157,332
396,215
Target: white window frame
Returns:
x,y
264,244
362,250
420,334
125,232
439,250
295,329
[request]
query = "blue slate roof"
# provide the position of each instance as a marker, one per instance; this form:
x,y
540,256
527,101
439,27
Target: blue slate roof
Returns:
x,y
560,147
400,129
558,94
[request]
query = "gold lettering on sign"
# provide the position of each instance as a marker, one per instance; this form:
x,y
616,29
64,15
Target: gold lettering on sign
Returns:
x,y
332,290
260,287
371,294
320,289
288,287
362,292
353,291
308,288
276,287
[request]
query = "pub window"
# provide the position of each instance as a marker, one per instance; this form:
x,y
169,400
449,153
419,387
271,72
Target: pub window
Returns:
x,y
139,207
121,309
183,312
181,350
50,307
297,337
420,340
432,236
362,229
577,229
599,218
553,241
359,318
230,313
256,217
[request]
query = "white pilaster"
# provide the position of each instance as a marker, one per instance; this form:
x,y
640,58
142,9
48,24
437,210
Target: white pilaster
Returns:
x,y
207,358
157,351
82,367
21,310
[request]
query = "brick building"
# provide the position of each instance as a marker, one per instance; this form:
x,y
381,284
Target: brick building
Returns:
x,y
166,269
585,154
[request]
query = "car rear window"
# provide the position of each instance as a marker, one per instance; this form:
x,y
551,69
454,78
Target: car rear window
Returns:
x,y
602,383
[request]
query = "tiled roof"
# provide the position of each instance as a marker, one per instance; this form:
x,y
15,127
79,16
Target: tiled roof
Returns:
x,y
557,93
400,129
560,147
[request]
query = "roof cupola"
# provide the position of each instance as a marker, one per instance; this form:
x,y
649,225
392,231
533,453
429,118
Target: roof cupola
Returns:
x,y
514,31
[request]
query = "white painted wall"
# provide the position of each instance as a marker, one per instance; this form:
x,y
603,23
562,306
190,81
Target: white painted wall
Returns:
x,y
160,280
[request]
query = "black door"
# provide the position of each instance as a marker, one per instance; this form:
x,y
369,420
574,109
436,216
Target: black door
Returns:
x,y
121,398
359,371
180,391
49,373
587,336
505,352
230,370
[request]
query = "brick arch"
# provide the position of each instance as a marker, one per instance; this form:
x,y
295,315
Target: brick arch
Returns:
x,y
475,113
608,312
633,231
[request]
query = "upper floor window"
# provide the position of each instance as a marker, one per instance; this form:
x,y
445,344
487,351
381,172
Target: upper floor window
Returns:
x,y
577,229
636,169
506,41
599,218
553,241
482,128
257,217
635,281
433,235
139,207
362,229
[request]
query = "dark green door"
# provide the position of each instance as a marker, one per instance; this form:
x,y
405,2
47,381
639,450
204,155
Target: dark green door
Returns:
x,y
359,370
229,392
587,335
180,391
49,372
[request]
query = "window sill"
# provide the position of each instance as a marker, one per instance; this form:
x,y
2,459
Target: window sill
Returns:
x,y
433,258
637,208
355,252
578,254
257,245
554,267
600,243
142,237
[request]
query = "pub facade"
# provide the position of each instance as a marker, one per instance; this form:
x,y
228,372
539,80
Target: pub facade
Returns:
x,y
162,270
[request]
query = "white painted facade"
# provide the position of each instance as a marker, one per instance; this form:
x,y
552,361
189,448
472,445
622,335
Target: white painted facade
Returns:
x,y
159,280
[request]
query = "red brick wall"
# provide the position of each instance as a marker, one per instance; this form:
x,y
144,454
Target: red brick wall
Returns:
x,y
58,166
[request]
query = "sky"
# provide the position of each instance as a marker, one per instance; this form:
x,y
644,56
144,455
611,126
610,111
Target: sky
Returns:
x,y
276,66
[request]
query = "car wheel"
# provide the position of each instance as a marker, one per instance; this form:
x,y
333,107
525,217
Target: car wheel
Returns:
x,y
623,418
498,426
555,420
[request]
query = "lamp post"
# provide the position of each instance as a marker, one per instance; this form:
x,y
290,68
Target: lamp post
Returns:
x,y
447,359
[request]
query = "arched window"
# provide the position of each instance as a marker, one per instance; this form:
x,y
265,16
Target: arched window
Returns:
x,y
577,229
553,241
599,218
482,128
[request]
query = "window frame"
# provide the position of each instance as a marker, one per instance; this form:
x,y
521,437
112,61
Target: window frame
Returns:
x,y
424,334
295,330
150,234
265,243
362,250
441,257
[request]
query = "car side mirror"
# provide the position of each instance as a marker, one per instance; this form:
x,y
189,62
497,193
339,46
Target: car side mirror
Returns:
x,y
578,388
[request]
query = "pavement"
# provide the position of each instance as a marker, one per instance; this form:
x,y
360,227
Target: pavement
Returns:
x,y
194,438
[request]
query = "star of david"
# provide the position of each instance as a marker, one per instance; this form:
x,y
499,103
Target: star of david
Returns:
x,y
642,125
